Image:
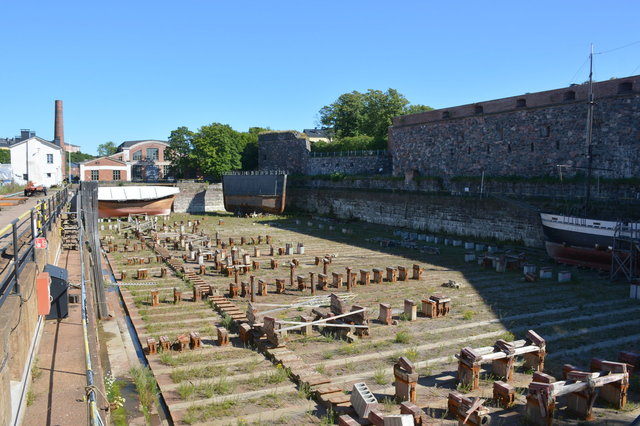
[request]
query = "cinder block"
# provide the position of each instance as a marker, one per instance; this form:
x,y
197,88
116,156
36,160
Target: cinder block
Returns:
x,y
363,400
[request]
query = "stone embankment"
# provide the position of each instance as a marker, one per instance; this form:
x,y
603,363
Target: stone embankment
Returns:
x,y
199,198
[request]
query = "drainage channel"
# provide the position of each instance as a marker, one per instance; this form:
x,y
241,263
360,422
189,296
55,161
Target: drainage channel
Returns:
x,y
163,413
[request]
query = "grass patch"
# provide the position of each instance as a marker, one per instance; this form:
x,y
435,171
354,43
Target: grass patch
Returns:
x,y
412,354
186,390
380,376
36,372
402,337
31,397
201,413
350,349
403,317
197,373
321,369
467,315
147,389
507,336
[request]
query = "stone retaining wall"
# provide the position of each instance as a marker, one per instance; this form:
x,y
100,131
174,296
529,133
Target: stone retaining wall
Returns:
x,y
464,216
198,198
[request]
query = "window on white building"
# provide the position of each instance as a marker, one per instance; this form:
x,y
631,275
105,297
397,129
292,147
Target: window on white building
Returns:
x,y
95,174
49,158
116,175
49,175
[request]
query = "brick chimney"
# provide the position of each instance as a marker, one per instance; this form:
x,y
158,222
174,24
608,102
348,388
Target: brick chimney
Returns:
x,y
58,134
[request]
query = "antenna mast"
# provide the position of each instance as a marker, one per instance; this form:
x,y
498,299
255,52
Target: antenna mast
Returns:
x,y
590,104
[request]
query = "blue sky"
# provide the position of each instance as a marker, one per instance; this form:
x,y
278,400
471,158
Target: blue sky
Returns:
x,y
130,70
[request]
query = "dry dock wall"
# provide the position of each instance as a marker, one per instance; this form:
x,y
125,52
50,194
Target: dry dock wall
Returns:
x,y
199,198
465,216
18,320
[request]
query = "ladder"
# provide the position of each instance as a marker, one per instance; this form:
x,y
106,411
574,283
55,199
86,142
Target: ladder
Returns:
x,y
69,231
626,251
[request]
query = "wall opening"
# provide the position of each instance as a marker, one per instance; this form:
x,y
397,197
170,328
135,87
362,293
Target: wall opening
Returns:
x,y
468,150
446,114
545,132
509,147
531,146
569,95
626,87
479,109
521,103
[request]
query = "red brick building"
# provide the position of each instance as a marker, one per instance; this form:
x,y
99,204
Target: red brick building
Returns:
x,y
138,161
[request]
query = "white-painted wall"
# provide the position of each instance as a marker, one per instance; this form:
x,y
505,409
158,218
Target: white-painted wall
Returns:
x,y
31,155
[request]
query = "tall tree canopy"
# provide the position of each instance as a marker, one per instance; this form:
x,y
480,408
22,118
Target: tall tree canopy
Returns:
x,y
217,149
366,114
180,153
212,150
107,148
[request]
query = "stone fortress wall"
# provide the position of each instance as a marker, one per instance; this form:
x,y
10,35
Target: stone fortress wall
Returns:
x,y
290,151
525,136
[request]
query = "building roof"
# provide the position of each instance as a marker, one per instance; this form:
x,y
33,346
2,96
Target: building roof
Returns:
x,y
316,133
39,139
107,157
129,144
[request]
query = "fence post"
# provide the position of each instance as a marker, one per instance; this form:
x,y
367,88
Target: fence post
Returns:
x,y
33,235
16,256
43,217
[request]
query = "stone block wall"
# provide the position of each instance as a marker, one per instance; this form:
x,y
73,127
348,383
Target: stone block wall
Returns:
x,y
351,165
198,198
464,216
291,152
526,136
287,151
18,319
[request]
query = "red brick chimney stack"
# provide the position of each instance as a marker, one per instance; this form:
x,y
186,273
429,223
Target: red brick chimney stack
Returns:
x,y
58,133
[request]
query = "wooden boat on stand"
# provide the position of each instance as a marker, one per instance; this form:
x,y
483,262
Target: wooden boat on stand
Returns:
x,y
116,201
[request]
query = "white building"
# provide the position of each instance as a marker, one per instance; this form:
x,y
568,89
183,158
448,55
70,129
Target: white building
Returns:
x,y
37,160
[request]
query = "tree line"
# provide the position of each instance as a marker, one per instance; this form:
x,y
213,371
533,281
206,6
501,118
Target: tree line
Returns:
x,y
355,121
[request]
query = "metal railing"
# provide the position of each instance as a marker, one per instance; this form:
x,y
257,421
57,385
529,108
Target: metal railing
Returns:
x,y
93,413
361,153
17,240
254,173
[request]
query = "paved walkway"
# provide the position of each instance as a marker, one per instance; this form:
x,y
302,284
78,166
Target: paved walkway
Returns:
x,y
59,389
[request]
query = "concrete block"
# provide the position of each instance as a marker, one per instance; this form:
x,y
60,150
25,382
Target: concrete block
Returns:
x,y
363,400
398,420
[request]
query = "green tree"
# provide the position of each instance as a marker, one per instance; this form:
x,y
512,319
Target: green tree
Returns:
x,y
217,149
107,148
415,109
345,116
366,114
249,141
180,153
380,108
79,157
5,156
